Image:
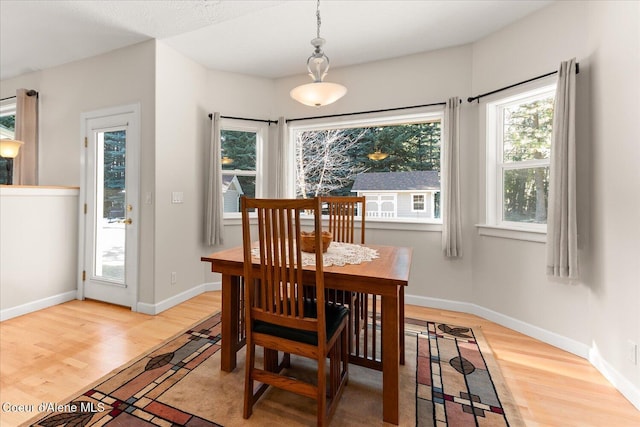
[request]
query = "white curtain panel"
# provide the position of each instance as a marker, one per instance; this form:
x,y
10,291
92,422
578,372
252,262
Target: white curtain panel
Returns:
x,y
282,176
562,235
214,206
450,182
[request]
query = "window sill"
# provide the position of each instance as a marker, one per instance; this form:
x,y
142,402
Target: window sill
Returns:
x,y
538,236
371,224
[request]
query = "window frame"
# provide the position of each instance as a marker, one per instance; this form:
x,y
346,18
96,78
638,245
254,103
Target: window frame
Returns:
x,y
368,120
8,107
261,131
495,164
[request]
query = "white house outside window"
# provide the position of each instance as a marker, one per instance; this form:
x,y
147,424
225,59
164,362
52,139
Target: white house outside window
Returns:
x,y
518,150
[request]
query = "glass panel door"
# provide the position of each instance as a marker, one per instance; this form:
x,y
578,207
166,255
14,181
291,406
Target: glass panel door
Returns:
x,y
110,206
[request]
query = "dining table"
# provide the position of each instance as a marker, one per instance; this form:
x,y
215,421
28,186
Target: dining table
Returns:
x,y
382,280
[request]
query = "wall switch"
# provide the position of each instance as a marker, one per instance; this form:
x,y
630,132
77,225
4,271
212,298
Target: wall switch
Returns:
x,y
174,277
177,197
632,352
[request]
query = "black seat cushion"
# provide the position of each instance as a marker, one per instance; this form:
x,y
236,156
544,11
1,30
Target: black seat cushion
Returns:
x,y
334,315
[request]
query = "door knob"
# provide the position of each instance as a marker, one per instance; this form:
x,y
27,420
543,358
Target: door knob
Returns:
x,y
127,221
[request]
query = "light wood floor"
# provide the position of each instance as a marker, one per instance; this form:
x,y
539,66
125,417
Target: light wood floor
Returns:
x,y
51,354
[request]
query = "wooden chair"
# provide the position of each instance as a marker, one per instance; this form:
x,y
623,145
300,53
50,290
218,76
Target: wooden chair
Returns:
x,y
342,211
342,214
278,317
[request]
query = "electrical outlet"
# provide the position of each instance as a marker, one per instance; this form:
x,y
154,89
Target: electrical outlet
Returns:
x,y
177,197
632,352
174,277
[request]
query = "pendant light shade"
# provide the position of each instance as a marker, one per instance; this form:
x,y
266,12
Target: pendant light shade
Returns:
x,y
377,155
318,93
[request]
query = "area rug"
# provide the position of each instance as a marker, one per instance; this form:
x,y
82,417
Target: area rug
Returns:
x,y
450,379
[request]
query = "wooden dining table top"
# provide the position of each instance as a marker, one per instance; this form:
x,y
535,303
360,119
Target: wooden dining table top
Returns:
x,y
391,268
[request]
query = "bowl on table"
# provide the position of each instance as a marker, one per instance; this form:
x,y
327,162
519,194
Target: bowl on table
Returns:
x,y
308,241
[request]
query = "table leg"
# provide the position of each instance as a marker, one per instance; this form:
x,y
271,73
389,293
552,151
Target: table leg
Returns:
x,y
230,303
391,359
401,323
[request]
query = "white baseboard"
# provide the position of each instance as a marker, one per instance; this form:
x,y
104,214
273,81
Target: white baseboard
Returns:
x,y
556,340
585,351
9,313
622,384
166,304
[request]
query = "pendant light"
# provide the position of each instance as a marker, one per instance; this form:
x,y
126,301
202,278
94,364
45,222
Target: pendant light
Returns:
x,y
377,155
318,93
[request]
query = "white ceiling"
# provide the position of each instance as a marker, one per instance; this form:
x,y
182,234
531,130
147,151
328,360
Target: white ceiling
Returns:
x,y
259,37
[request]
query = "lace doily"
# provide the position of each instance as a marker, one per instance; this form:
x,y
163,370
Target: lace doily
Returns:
x,y
338,254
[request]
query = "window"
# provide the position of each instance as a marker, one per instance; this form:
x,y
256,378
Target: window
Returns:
x,y
518,151
418,204
336,159
241,164
7,131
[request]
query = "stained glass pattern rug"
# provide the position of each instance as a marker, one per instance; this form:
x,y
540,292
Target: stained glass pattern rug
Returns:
x,y
450,379
455,386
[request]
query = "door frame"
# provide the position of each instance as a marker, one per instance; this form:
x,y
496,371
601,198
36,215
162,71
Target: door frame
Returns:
x,y
133,156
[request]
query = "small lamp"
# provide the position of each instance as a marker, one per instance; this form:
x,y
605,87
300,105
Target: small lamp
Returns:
x,y
9,149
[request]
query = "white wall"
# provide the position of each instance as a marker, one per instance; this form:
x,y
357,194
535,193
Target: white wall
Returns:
x,y
186,93
600,311
614,181
32,268
180,132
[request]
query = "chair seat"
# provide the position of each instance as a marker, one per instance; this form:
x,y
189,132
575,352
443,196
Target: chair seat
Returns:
x,y
334,315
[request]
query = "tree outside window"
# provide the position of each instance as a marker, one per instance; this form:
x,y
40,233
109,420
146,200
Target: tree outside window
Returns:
x,y
327,160
239,166
114,174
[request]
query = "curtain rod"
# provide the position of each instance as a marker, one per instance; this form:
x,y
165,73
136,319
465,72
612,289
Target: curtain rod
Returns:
x,y
336,115
244,118
477,97
29,93
367,112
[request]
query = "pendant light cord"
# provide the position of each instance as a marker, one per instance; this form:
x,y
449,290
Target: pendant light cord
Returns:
x,y
319,21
